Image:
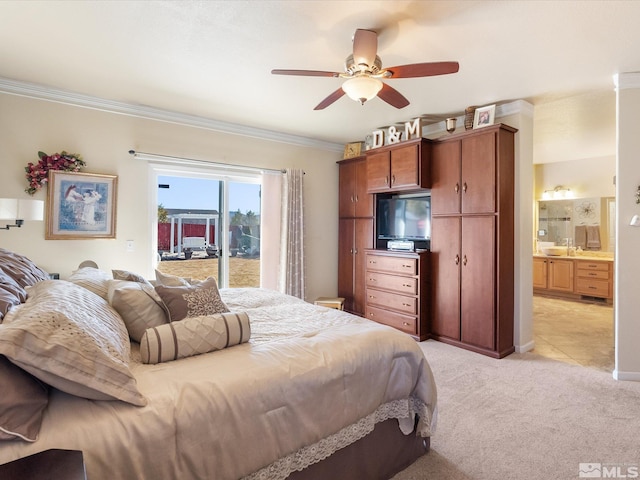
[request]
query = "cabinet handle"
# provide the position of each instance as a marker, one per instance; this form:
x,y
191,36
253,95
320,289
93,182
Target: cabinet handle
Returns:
x,y
356,198
457,187
464,260
386,180
355,250
464,187
352,199
407,285
457,260
371,315
591,274
371,296
372,262
372,280
406,324
404,265
393,179
351,251
406,304
592,287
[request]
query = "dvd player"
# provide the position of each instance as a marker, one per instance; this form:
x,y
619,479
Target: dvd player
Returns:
x,y
400,245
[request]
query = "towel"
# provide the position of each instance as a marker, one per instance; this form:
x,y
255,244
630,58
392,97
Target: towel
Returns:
x,y
580,237
593,237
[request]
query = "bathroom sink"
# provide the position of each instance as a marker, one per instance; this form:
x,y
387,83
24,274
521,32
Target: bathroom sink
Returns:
x,y
554,251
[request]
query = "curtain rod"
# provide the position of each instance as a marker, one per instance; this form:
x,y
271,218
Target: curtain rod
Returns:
x,y
192,161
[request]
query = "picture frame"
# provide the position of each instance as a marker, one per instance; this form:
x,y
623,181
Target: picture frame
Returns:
x,y
81,206
352,150
484,116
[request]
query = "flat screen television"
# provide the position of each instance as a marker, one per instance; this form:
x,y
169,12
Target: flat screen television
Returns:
x,y
403,217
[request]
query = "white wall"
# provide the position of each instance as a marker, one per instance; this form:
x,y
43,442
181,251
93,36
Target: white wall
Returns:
x,y
104,139
627,261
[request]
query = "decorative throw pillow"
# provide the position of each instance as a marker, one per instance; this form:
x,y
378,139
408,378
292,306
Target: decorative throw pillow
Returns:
x,y
171,280
10,294
22,403
193,336
73,340
16,273
193,300
94,280
129,276
139,306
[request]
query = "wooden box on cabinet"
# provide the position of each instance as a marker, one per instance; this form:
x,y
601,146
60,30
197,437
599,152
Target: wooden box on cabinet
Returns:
x,y
402,167
397,290
472,240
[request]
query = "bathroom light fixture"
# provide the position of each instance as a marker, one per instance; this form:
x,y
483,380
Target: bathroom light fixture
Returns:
x,y
362,88
557,193
20,210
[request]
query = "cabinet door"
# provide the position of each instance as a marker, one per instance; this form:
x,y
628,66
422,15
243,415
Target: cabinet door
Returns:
x,y
445,285
405,167
445,180
539,273
363,200
346,238
378,170
363,239
347,189
477,304
561,275
479,174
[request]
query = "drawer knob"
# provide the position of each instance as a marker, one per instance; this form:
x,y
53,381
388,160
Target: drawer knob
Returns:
x,y
406,284
406,324
406,304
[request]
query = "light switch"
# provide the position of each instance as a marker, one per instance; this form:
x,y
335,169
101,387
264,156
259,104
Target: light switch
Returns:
x,y
130,246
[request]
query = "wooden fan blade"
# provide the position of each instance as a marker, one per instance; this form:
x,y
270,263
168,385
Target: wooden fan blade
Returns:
x,y
392,96
330,99
305,73
365,47
423,69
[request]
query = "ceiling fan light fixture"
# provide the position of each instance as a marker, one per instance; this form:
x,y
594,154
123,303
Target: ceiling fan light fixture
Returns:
x,y
362,88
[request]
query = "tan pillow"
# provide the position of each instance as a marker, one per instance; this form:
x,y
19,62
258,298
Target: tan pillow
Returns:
x,y
129,276
171,280
193,300
22,403
193,336
94,280
73,340
139,306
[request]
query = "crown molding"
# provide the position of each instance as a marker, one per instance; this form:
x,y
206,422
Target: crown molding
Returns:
x,y
623,81
41,92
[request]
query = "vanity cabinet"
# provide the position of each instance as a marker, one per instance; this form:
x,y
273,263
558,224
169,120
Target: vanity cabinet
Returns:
x,y
472,240
594,278
573,277
403,167
397,290
560,275
355,232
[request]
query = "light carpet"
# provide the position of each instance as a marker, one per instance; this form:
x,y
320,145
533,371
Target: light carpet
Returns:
x,y
526,417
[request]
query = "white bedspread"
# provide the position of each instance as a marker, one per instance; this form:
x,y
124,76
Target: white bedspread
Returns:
x,y
310,381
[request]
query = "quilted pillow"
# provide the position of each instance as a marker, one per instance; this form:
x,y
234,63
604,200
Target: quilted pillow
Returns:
x,y
94,280
193,336
73,340
16,273
193,300
139,306
10,294
22,403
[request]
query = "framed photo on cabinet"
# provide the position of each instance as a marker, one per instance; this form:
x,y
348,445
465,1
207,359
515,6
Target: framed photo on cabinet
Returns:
x,y
81,206
484,116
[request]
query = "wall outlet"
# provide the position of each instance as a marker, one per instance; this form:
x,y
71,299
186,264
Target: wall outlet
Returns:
x,y
131,246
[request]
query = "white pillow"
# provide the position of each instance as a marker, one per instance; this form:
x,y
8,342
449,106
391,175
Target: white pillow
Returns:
x,y
139,306
94,280
193,336
169,280
73,340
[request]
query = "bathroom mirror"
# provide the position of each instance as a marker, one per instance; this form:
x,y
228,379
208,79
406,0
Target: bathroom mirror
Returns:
x,y
588,222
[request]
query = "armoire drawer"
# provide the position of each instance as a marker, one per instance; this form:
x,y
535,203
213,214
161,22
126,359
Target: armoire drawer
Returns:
x,y
382,263
405,323
392,301
396,283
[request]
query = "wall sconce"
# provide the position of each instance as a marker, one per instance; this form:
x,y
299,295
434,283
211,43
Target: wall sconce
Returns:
x,y
20,210
557,193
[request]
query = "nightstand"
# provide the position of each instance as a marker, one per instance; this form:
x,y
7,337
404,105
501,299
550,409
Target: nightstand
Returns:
x,y
331,302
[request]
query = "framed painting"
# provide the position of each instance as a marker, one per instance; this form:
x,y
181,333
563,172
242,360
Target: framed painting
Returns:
x,y
81,206
484,116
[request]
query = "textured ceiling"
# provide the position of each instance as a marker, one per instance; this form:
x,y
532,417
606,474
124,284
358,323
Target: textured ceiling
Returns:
x,y
213,58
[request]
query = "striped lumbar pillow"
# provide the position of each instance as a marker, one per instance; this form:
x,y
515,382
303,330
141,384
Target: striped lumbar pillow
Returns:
x,y
193,336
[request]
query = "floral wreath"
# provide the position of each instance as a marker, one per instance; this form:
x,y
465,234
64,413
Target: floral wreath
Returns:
x,y
37,174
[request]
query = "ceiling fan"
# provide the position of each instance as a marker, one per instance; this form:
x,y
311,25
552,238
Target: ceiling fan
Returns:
x,y
364,73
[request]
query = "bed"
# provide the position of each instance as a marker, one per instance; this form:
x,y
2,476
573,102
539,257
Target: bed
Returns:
x,y
303,392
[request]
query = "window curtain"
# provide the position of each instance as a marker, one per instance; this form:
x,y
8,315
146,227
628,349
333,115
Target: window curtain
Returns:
x,y
270,222
292,235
